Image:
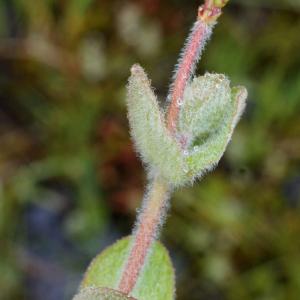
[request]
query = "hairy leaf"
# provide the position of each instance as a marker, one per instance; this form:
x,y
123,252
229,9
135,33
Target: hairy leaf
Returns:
x,y
92,293
158,149
204,105
156,280
205,154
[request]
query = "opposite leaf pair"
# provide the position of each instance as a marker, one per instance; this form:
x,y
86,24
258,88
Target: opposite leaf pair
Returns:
x,y
209,112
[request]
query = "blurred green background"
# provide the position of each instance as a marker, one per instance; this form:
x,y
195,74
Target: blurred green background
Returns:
x,y
70,181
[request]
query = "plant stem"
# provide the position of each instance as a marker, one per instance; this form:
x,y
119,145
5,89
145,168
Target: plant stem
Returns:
x,y
186,65
154,208
156,201
208,13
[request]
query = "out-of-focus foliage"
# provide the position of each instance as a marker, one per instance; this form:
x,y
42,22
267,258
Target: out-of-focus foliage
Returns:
x,y
70,181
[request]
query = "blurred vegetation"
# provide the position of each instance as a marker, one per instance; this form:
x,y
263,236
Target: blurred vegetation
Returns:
x,y
69,178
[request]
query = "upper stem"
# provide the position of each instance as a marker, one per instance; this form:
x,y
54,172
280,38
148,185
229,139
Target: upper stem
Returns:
x,y
191,53
208,13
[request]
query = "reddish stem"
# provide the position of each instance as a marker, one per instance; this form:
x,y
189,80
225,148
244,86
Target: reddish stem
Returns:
x,y
149,221
208,13
195,44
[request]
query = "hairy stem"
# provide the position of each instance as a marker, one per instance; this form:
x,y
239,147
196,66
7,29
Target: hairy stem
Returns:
x,y
150,219
186,65
208,13
156,201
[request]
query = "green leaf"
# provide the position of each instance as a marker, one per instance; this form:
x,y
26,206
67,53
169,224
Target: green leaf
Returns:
x,y
209,151
100,294
204,105
158,149
156,281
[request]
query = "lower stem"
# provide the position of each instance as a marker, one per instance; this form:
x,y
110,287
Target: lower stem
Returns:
x,y
154,208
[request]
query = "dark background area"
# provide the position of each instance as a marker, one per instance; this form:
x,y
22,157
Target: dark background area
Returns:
x,y
70,181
